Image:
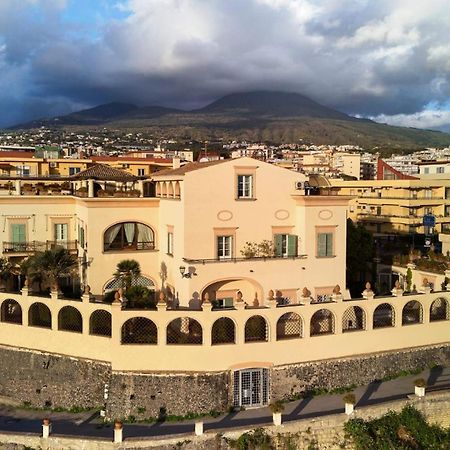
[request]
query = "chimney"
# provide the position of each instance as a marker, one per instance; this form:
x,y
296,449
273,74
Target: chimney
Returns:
x,y
176,162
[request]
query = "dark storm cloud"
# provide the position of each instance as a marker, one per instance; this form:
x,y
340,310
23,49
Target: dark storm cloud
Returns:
x,y
378,58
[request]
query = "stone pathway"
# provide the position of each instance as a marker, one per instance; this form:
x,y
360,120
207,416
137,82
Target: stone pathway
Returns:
x,y
81,424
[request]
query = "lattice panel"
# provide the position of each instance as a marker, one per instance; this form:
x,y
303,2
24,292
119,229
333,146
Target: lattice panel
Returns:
x,y
439,310
223,331
116,283
322,322
11,312
412,313
69,319
354,319
384,316
289,326
139,330
39,316
256,329
100,323
184,330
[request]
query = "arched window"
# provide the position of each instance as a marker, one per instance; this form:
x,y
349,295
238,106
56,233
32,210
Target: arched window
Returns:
x,y
100,323
170,190
128,236
354,319
116,283
139,330
177,189
412,313
39,315
69,319
256,329
223,331
289,326
384,316
439,310
184,330
322,322
11,312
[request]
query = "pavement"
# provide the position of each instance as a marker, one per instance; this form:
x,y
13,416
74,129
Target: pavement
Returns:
x,y
14,419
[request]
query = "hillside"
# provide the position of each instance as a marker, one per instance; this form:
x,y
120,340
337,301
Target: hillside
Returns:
x,y
261,115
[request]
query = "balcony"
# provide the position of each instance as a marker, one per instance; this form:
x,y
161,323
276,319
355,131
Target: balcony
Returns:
x,y
124,247
235,260
31,247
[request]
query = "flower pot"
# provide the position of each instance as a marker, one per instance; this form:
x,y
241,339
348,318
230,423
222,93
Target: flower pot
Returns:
x,y
419,391
276,418
349,407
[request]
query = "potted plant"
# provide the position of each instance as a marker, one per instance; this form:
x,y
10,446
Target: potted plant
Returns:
x,y
419,387
277,409
350,401
82,191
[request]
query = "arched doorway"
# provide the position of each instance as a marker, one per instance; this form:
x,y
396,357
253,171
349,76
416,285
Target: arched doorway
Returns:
x,y
225,293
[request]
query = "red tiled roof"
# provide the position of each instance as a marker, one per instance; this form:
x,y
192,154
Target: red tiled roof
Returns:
x,y
103,172
17,154
189,167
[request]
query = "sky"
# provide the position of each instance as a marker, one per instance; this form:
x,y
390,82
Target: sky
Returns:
x,y
388,60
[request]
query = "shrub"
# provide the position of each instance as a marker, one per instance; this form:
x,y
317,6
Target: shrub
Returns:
x,y
349,398
277,407
420,382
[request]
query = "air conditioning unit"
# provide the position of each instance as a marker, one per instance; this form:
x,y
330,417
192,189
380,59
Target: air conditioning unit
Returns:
x,y
53,165
299,185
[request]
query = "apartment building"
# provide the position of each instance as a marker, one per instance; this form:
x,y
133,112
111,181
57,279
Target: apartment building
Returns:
x,y
398,205
195,229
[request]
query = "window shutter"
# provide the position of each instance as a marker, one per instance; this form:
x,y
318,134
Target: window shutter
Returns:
x,y
329,244
278,238
321,244
292,244
18,232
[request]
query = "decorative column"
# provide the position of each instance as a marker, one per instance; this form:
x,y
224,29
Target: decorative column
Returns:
x,y
46,428
271,300
161,305
425,288
140,184
306,296
337,296
397,290
86,297
118,432
90,188
18,188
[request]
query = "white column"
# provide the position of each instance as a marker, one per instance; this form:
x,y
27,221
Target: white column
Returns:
x,y
90,188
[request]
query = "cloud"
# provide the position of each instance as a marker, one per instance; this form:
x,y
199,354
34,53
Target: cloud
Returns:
x,y
428,118
369,58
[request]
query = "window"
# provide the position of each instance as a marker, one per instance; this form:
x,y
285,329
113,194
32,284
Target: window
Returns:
x,y
18,232
324,245
141,172
426,170
81,236
74,170
439,170
285,245
23,171
245,186
224,247
61,231
170,243
129,236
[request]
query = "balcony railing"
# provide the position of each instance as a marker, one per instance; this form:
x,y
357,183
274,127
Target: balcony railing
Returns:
x,y
123,247
38,246
234,260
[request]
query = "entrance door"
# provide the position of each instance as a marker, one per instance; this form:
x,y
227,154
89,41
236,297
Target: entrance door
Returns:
x,y
251,387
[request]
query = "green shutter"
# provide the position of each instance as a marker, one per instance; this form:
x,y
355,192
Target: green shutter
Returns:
x,y
18,232
292,244
321,244
278,238
329,244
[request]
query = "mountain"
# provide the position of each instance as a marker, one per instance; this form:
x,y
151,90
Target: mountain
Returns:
x,y
256,116
271,104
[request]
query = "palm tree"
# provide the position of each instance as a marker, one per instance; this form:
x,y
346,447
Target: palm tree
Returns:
x,y
52,264
126,271
6,270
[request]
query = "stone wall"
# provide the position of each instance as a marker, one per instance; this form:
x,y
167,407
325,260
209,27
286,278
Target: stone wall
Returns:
x,y
156,395
292,380
324,433
44,380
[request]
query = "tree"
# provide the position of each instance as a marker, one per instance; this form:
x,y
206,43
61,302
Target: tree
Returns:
x,y
6,270
360,253
126,271
52,265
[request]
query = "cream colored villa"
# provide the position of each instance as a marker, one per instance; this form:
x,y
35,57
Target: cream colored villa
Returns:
x,y
249,273
191,236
